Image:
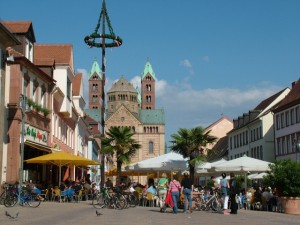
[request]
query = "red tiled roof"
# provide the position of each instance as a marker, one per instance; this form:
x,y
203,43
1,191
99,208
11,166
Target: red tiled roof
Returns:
x,y
61,53
77,84
265,103
17,26
292,96
44,62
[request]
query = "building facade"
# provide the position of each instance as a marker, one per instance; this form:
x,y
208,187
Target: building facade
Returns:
x,y
253,133
52,114
128,106
287,125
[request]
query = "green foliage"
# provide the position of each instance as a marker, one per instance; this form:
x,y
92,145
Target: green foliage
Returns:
x,y
119,142
190,143
38,107
285,176
45,111
240,182
30,102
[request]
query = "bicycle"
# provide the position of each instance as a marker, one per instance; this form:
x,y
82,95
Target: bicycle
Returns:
x,y
104,198
25,197
131,199
7,189
214,202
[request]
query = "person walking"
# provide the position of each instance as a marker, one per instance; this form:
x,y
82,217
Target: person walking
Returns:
x,y
162,187
174,188
233,194
224,187
187,187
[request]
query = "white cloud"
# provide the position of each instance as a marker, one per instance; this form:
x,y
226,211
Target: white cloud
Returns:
x,y
188,65
186,107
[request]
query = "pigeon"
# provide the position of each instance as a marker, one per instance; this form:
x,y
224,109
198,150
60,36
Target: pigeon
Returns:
x,y
10,216
98,213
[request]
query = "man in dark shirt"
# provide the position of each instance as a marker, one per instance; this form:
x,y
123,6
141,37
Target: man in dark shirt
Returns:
x,y
186,188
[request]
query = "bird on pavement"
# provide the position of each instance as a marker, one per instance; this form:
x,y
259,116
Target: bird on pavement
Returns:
x,y
10,216
98,213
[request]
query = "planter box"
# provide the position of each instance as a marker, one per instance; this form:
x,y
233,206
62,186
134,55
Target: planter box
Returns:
x,y
291,205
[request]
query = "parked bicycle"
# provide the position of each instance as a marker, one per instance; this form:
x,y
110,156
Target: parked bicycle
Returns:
x,y
7,189
214,202
25,197
110,200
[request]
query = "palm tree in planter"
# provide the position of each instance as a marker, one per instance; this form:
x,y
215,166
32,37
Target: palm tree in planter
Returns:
x,y
284,175
189,143
119,143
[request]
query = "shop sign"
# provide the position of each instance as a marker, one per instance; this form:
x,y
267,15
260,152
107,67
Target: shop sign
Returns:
x,y
35,135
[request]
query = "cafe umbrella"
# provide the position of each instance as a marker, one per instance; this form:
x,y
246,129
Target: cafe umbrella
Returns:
x,y
60,159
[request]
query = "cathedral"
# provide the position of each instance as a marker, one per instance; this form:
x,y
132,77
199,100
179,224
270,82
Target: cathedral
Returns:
x,y
128,106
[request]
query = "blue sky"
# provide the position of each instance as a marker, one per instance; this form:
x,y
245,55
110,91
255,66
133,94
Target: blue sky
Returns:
x,y
210,57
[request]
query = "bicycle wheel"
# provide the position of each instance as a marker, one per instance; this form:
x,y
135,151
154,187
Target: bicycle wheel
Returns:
x,y
217,204
10,200
98,201
120,201
32,200
133,200
2,198
197,202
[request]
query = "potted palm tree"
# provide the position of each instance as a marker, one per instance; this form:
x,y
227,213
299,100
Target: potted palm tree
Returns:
x,y
284,175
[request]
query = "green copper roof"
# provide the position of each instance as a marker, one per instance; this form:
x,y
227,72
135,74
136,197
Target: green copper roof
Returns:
x,y
153,116
148,69
95,114
95,69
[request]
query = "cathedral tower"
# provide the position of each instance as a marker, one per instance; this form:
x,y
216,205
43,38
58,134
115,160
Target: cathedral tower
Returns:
x,y
95,87
148,87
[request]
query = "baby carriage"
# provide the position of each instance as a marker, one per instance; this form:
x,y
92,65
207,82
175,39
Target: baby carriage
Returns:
x,y
168,203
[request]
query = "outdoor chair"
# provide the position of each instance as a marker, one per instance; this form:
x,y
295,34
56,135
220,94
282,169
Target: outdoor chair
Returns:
x,y
78,196
148,199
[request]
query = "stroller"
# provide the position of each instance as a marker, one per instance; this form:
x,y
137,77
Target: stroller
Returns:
x,y
168,203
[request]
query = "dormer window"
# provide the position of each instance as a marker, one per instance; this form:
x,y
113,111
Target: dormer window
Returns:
x,y
29,51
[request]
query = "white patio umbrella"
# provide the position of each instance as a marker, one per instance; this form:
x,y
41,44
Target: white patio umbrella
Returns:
x,y
242,164
203,168
257,175
167,162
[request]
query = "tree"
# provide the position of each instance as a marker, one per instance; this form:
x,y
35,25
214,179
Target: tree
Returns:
x,y
190,143
119,143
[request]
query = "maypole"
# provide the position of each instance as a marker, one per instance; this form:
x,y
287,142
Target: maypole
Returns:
x,y
103,40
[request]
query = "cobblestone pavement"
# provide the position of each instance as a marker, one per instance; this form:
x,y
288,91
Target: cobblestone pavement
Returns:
x,y
83,213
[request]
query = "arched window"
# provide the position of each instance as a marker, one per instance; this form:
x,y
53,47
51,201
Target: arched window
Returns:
x,y
151,147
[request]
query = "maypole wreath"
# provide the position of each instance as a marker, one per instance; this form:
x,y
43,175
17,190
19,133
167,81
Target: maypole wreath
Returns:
x,y
99,40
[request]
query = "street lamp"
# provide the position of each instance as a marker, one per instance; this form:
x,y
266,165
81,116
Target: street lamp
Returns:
x,y
24,108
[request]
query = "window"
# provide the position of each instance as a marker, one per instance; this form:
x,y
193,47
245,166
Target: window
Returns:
x,y
95,87
34,91
43,96
277,122
297,114
287,118
69,88
292,116
95,98
151,147
282,120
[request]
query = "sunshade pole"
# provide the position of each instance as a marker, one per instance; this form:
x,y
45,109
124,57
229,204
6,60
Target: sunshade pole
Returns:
x,y
59,181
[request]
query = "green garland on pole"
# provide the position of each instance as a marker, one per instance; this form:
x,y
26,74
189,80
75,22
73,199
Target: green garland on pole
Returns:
x,y
90,40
